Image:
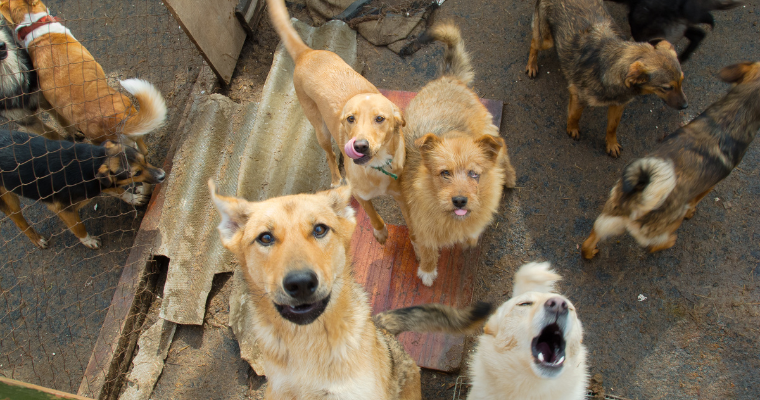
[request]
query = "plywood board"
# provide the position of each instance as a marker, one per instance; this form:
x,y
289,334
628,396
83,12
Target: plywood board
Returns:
x,y
214,29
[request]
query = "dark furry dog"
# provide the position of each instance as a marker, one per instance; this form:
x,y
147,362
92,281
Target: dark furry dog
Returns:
x,y
19,88
601,68
65,176
657,192
673,19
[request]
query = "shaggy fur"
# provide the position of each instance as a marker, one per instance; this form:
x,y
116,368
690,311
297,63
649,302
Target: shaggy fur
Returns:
x,y
658,192
320,342
343,105
673,19
75,84
601,68
454,156
531,347
65,176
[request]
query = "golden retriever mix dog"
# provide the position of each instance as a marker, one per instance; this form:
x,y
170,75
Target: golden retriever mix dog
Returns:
x,y
532,345
657,192
75,85
314,329
456,162
367,126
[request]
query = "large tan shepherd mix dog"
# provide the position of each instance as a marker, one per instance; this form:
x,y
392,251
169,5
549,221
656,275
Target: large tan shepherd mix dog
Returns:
x,y
657,192
366,126
456,162
313,325
75,84
532,346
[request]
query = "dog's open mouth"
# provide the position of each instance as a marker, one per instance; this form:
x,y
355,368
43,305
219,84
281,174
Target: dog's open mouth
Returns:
x,y
303,314
549,348
362,160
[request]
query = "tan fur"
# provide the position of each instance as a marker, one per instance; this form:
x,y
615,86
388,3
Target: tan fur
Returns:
x,y
657,192
330,91
450,130
341,354
74,84
503,366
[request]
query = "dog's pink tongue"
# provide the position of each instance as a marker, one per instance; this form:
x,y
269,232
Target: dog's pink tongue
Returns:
x,y
349,149
460,212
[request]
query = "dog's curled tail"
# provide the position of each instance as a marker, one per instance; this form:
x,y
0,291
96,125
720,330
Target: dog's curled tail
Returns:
x,y
281,21
535,277
651,179
152,112
456,60
433,318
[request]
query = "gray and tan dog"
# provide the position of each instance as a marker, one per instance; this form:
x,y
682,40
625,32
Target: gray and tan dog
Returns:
x,y
659,191
602,69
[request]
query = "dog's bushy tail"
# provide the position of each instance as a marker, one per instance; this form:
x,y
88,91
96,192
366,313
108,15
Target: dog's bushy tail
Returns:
x,y
281,21
725,4
456,60
651,179
535,277
433,318
152,112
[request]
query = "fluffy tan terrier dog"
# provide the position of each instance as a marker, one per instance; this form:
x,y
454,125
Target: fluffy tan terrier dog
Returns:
x,y
313,325
532,345
456,162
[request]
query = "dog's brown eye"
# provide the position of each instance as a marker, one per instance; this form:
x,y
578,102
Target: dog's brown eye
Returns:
x,y
445,174
138,173
379,119
350,119
473,175
320,230
265,239
525,303
667,88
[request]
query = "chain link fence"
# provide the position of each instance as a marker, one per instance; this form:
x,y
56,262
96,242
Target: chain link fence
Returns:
x,y
53,301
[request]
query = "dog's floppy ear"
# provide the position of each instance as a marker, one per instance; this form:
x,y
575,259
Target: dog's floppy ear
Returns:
x,y
503,337
399,116
535,277
5,9
637,74
735,73
340,201
104,176
234,213
427,142
491,146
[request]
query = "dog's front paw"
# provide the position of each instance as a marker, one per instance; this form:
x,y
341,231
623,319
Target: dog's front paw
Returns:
x,y
135,199
690,213
574,133
144,189
382,235
614,149
589,253
90,242
42,243
427,277
531,70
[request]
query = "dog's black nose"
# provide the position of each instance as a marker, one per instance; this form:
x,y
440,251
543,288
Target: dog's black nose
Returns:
x,y
300,284
160,175
361,146
684,106
556,305
2,46
459,201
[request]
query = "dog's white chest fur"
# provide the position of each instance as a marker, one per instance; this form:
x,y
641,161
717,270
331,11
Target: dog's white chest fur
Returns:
x,y
309,386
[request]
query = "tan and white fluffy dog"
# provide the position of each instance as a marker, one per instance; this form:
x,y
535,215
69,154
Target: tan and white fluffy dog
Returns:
x,y
531,348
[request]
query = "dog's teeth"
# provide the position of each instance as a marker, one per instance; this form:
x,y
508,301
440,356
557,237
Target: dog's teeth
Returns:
x,y
541,357
561,360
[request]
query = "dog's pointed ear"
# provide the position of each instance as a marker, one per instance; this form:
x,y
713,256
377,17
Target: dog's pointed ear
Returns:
x,y
340,201
5,9
735,73
637,74
491,146
104,176
427,142
399,116
234,213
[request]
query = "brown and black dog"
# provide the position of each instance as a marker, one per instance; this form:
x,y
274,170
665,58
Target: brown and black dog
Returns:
x,y
342,104
457,164
659,191
313,324
601,68
65,176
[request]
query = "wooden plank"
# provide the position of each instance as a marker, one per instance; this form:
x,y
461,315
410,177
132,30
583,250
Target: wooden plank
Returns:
x,y
214,29
389,274
16,390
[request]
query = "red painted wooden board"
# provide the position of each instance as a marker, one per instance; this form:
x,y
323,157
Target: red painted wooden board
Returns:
x,y
389,274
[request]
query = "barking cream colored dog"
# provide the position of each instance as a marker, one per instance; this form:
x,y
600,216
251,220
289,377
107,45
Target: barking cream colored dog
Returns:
x,y
366,126
659,191
456,162
532,345
75,84
313,326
